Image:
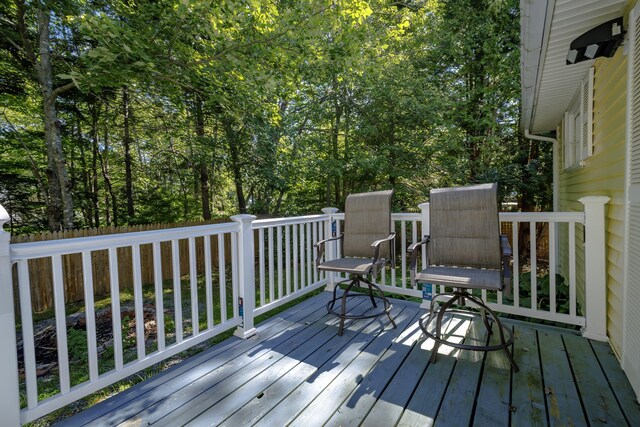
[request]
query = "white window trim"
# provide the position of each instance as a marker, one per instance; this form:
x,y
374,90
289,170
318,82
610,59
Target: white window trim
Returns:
x,y
577,138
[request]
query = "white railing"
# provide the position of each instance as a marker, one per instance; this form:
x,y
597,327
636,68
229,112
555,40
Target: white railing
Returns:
x,y
269,263
285,260
543,294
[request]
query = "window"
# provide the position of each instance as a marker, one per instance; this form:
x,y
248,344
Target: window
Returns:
x,y
578,125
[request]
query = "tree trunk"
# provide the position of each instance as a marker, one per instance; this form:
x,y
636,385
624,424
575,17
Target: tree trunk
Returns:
x,y
128,181
104,163
202,167
234,150
87,206
94,161
333,178
60,209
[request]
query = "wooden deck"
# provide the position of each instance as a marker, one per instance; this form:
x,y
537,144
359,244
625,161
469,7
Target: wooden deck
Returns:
x,y
297,371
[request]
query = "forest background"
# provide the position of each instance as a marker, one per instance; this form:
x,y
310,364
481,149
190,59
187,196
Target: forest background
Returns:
x,y
134,112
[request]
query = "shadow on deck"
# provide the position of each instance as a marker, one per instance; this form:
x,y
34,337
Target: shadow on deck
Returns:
x,y
297,371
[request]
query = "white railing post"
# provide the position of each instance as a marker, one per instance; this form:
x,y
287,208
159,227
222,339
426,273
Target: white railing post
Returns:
x,y
330,251
424,214
595,275
9,392
246,275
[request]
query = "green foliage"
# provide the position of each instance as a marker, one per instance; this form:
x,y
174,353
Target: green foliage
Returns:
x,y
271,107
543,293
77,345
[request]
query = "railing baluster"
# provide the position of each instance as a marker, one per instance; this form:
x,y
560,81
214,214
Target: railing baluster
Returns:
x,y
28,344
272,285
516,264
414,238
303,267
534,264
159,291
261,264
336,243
572,268
552,268
193,284
116,321
177,290
208,282
137,299
403,248
295,244
314,229
280,274
287,257
309,253
234,274
90,316
61,324
222,280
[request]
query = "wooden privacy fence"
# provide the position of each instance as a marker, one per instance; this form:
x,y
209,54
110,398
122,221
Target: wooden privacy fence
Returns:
x,y
40,270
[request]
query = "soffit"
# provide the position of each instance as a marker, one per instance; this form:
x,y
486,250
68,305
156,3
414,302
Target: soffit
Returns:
x,y
547,29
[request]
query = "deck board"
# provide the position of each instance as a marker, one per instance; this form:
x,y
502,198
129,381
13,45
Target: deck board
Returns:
x,y
563,401
602,407
279,389
221,382
388,408
216,412
492,403
371,371
318,399
527,391
297,371
458,402
618,382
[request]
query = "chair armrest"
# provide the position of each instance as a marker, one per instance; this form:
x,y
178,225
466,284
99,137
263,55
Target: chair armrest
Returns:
x,y
413,250
507,254
376,247
320,246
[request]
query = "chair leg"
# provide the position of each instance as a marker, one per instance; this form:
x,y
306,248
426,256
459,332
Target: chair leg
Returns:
x,y
385,301
333,300
514,365
494,318
342,312
343,307
487,324
442,310
373,300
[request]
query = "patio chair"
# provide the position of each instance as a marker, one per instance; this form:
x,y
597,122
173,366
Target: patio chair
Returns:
x,y
368,245
466,252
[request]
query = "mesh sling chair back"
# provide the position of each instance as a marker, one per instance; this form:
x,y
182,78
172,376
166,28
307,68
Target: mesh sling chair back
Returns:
x,y
464,251
368,244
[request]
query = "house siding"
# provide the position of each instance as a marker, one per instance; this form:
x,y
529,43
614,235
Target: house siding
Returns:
x,y
603,174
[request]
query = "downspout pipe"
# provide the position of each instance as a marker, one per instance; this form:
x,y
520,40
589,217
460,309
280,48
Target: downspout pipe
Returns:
x,y
556,177
556,165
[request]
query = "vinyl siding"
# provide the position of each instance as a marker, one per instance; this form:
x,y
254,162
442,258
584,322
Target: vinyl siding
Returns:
x,y
603,175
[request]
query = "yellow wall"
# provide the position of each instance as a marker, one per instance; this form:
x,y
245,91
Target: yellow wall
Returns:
x,y
603,174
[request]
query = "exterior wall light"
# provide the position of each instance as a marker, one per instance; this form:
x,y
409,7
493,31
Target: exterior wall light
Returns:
x,y
602,40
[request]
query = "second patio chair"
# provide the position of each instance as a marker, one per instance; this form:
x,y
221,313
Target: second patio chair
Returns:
x,y
465,252
368,245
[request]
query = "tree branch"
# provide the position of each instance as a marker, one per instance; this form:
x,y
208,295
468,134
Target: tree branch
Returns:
x,y
62,89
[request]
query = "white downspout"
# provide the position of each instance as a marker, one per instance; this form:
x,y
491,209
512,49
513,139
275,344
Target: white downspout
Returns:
x,y
556,180
556,165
